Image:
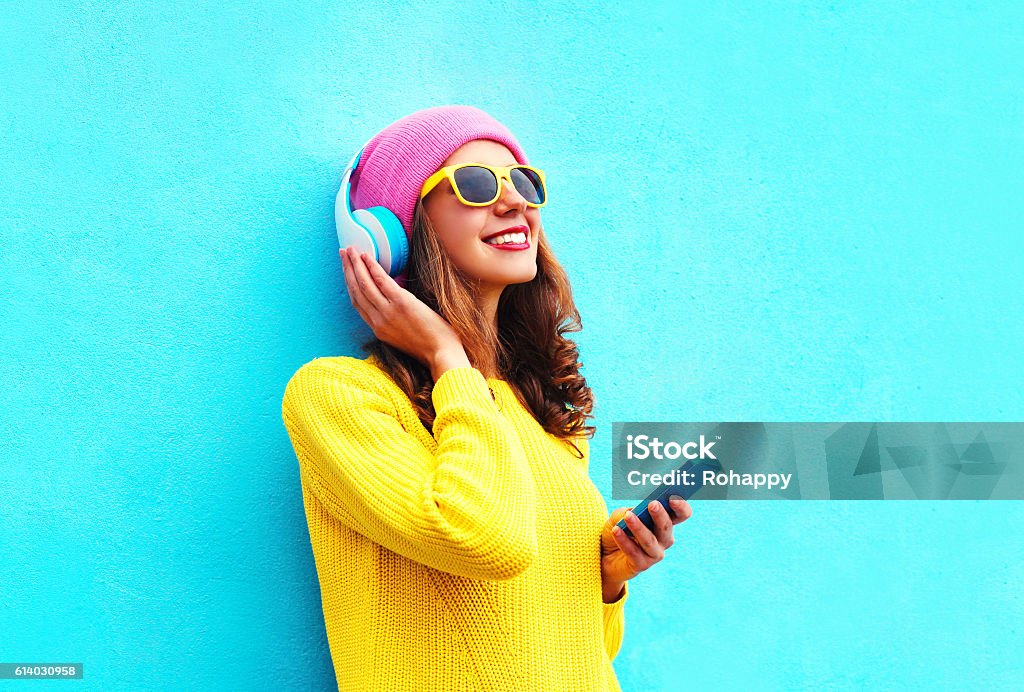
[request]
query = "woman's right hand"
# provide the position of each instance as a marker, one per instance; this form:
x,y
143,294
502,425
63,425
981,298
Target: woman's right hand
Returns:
x,y
399,318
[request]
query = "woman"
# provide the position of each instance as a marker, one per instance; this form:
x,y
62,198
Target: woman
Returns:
x,y
459,542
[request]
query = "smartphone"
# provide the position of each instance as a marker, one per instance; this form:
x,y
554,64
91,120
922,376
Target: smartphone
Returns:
x,y
663,492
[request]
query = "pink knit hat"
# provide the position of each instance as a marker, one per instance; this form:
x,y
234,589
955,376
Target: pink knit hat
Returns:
x,y
399,158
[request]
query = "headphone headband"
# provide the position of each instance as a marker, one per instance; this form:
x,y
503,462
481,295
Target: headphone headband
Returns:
x,y
376,231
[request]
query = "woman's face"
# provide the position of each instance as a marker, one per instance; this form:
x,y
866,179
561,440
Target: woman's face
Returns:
x,y
461,229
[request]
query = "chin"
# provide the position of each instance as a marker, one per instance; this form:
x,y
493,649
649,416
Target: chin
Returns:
x,y
526,277
509,278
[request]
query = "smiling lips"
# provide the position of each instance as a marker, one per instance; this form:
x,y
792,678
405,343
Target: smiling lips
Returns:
x,y
515,238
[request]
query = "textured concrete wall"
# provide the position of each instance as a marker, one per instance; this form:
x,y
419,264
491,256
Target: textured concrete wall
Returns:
x,y
769,212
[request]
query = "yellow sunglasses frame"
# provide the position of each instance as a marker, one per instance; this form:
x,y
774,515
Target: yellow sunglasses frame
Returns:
x,y
500,173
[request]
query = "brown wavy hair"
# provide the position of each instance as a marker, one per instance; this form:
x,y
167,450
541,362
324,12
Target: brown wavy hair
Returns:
x,y
529,350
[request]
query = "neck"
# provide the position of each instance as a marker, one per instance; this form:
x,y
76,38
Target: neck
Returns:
x,y
488,304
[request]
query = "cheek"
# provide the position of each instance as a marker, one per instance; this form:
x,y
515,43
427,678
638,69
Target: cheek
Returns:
x,y
460,233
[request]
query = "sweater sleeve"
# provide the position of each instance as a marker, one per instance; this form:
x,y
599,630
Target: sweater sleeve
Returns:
x,y
614,613
615,623
467,508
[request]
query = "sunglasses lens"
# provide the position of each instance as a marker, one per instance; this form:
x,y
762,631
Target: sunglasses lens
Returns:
x,y
476,184
529,185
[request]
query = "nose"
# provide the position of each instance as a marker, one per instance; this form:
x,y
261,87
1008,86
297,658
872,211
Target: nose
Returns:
x,y
510,195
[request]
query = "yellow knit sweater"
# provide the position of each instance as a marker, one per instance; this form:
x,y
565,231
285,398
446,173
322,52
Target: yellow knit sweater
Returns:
x,y
466,559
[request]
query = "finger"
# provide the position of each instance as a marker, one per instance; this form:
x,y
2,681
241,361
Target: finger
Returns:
x,y
361,284
617,514
350,277
662,523
643,536
628,546
368,286
681,508
354,292
389,288
369,309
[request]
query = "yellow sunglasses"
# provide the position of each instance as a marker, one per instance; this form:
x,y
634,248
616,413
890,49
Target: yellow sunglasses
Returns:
x,y
479,184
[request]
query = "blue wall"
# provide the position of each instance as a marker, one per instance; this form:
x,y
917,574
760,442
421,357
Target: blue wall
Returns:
x,y
769,211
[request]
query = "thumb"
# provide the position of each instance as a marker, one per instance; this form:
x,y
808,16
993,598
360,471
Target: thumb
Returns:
x,y
617,514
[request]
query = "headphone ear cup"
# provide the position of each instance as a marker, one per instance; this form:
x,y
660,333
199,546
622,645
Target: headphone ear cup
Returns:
x,y
389,237
350,232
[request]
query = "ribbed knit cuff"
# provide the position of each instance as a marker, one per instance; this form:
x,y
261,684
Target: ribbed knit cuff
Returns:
x,y
459,385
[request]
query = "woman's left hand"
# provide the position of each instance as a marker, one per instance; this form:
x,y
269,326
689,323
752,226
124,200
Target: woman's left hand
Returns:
x,y
623,557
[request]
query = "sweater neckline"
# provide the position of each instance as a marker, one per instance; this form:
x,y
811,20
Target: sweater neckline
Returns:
x,y
504,384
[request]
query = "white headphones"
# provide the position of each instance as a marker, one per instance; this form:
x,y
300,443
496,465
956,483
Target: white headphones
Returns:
x,y
376,231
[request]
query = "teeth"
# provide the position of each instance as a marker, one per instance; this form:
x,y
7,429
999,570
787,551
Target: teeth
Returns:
x,y
517,238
